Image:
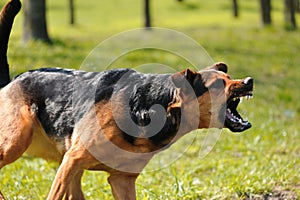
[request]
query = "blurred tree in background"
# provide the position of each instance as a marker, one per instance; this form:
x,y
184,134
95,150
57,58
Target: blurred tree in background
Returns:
x,y
235,8
72,12
147,13
297,5
35,25
289,13
266,8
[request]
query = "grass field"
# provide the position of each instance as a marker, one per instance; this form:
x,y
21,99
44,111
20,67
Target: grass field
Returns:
x,y
259,163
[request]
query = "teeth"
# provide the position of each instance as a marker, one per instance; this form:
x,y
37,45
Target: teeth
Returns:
x,y
249,97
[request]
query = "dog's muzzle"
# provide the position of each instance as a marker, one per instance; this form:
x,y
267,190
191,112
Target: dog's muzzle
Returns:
x,y
233,119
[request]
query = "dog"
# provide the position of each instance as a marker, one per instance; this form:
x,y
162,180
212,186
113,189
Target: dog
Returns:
x,y
113,121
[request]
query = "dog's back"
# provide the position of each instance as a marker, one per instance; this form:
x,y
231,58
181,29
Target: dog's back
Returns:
x,y
60,95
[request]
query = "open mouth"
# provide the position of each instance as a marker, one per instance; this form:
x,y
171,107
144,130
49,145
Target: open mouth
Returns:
x,y
233,119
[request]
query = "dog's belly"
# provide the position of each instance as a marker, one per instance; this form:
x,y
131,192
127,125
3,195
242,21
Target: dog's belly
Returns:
x,y
44,147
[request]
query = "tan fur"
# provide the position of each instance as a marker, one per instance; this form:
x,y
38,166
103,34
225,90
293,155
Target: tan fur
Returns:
x,y
97,143
111,131
69,174
16,125
42,146
123,186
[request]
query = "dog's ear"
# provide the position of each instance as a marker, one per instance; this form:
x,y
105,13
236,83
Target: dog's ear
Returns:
x,y
220,66
180,78
190,75
189,81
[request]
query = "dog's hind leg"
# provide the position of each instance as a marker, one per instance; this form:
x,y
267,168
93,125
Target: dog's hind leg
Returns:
x,y
16,130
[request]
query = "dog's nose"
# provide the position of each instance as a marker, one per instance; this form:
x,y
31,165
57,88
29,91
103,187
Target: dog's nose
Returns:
x,y
248,81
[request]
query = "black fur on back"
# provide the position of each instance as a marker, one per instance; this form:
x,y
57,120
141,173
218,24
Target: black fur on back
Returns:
x,y
142,91
61,98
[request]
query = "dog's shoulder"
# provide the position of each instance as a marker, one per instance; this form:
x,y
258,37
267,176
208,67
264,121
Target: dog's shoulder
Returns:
x,y
146,98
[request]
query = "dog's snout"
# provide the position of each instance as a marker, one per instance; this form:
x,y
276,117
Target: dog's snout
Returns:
x,y
248,81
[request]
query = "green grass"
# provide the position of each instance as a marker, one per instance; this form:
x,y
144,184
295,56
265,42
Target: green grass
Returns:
x,y
262,161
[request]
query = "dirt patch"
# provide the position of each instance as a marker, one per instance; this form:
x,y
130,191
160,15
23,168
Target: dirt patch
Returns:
x,y
277,194
281,195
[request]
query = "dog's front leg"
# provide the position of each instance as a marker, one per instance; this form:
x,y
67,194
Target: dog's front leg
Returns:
x,y
76,159
67,170
74,191
123,186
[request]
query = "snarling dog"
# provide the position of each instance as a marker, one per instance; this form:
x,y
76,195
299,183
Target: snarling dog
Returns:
x,y
113,121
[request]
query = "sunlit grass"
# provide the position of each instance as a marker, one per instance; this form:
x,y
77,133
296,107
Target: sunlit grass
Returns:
x,y
240,166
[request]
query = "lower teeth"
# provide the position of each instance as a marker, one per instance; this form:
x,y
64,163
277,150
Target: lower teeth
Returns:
x,y
234,118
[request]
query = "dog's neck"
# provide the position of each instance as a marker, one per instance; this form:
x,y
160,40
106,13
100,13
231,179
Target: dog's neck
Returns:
x,y
158,108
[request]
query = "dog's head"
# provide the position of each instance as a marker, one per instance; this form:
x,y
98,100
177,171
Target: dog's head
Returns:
x,y
218,97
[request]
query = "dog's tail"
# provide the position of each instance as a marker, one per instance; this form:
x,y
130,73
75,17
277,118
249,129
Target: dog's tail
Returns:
x,y
7,15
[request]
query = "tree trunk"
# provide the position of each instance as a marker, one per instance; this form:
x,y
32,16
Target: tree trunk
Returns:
x,y
289,14
235,8
35,26
72,12
266,8
297,5
147,13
